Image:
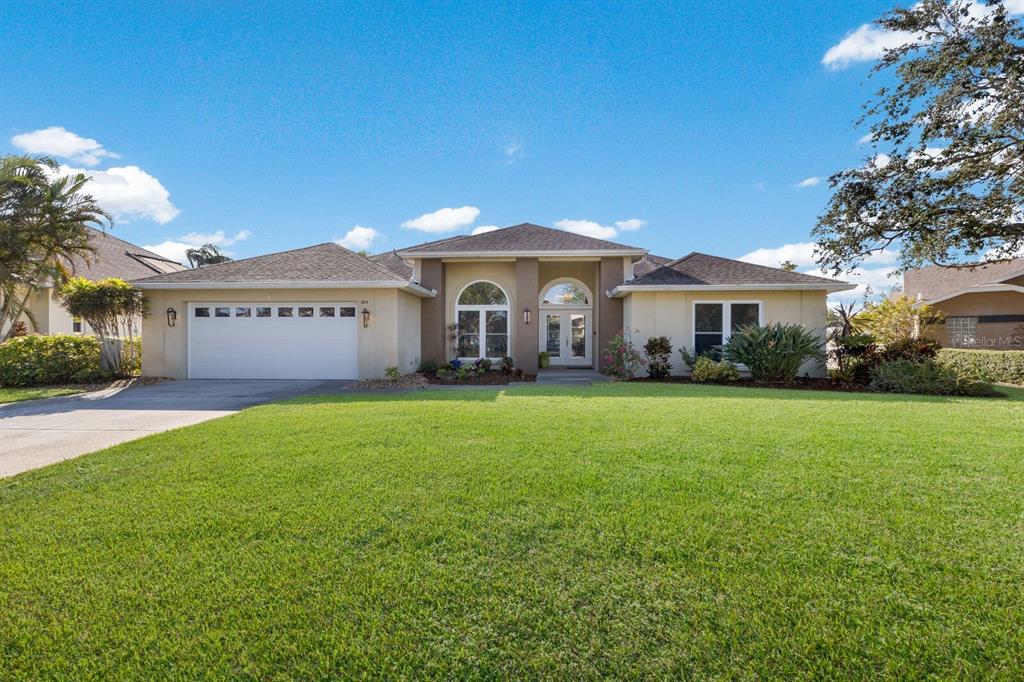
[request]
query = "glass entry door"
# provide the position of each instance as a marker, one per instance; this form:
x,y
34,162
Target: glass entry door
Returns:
x,y
566,336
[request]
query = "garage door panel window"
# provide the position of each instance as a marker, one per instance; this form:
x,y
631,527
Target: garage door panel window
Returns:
x,y
202,312
481,318
224,311
306,311
327,311
346,312
285,312
262,312
714,322
243,312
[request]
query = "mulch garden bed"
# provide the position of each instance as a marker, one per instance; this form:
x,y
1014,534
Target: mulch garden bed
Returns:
x,y
486,379
806,384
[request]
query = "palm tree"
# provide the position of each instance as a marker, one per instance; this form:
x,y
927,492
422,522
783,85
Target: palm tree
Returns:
x,y
44,221
207,254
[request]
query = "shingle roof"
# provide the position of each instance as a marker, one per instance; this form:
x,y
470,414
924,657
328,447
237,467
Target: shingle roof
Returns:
x,y
321,263
517,238
935,280
697,269
117,258
649,262
393,261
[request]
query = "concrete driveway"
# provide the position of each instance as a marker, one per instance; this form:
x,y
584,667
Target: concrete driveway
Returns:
x,y
40,432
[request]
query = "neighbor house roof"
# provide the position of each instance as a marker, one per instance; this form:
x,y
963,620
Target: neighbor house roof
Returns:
x,y
117,258
937,282
702,272
525,239
325,265
392,261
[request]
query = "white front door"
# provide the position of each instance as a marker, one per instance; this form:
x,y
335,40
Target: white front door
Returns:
x,y
262,340
566,336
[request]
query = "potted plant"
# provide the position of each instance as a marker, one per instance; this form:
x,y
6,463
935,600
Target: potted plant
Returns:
x,y
543,359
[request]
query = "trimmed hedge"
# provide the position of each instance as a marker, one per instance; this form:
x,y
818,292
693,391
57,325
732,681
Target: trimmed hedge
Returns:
x,y
57,359
1002,366
927,377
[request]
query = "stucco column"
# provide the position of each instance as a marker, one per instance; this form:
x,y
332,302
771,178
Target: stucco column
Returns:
x,y
433,335
526,336
610,309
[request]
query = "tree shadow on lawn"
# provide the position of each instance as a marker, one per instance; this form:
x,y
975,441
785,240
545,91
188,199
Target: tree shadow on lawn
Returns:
x,y
669,391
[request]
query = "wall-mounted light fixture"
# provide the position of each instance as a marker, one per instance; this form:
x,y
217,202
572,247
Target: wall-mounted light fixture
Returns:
x,y
526,316
366,317
172,317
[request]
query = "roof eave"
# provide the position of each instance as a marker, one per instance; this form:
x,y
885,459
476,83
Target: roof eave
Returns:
x,y
624,289
410,287
977,289
520,254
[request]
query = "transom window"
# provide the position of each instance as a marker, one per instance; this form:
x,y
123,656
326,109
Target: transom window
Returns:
x,y
481,322
566,293
963,331
714,322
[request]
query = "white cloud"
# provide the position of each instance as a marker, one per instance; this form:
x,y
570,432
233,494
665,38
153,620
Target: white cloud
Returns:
x,y
175,248
875,272
631,225
867,138
444,219
590,228
62,143
128,192
359,238
869,42
513,151
812,181
587,228
484,229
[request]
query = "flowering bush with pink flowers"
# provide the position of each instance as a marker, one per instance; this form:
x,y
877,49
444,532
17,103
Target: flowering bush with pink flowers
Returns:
x,y
622,360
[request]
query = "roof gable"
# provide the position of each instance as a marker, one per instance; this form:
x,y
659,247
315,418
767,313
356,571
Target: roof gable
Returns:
x,y
392,261
701,269
326,262
115,257
524,238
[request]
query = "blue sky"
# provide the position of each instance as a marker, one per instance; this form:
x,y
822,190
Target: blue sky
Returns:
x,y
268,128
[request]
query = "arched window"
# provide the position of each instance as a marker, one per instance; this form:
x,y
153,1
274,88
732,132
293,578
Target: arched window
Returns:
x,y
481,318
566,292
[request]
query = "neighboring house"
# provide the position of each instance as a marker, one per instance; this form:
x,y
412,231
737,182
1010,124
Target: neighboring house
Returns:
x,y
324,312
113,258
982,306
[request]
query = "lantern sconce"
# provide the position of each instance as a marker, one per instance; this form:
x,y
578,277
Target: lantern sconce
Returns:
x,y
366,317
526,315
172,317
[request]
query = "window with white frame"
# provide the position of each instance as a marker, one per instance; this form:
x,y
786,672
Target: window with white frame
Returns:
x,y
963,331
481,318
715,321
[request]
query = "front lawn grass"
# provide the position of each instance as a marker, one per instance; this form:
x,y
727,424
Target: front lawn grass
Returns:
x,y
13,394
621,530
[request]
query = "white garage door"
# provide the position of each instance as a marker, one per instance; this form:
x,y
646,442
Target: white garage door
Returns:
x,y
272,340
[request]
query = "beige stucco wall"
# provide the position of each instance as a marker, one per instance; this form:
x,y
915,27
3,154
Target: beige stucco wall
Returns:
x,y
391,339
992,335
647,314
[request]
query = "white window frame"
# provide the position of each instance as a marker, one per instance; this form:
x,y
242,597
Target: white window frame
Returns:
x,y
566,306
726,317
483,310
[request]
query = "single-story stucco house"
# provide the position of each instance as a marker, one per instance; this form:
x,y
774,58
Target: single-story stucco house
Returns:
x,y
324,312
113,257
982,306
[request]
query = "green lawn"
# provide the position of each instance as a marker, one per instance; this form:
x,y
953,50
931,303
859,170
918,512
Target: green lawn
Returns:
x,y
13,394
619,530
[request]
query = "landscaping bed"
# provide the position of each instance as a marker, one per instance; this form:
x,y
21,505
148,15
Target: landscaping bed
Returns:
x,y
491,378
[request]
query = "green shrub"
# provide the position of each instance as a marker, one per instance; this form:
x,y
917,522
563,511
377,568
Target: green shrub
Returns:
x,y
926,377
392,372
773,352
853,357
706,370
658,350
507,364
622,360
57,359
428,366
911,348
1002,366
